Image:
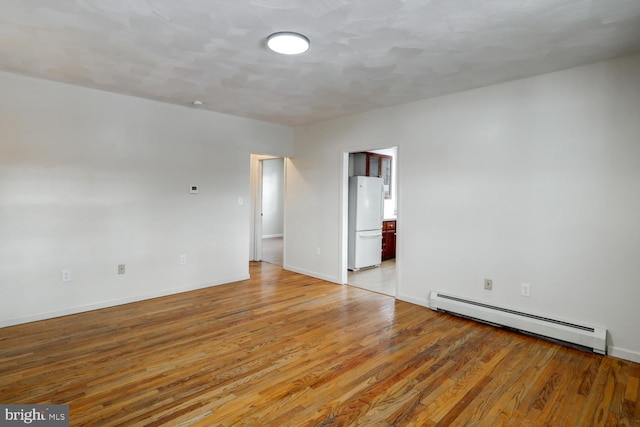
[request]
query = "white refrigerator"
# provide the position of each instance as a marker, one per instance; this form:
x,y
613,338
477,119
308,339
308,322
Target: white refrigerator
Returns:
x,y
366,210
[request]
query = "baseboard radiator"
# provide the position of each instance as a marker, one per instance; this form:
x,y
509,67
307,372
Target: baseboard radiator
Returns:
x,y
583,336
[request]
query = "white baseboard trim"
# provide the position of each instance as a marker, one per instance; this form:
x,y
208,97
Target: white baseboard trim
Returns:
x,y
331,279
271,236
111,303
623,353
412,300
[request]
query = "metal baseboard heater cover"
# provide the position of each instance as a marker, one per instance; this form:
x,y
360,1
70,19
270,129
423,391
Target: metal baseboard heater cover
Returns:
x,y
592,337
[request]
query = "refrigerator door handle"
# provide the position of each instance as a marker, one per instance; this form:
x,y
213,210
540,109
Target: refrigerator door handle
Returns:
x,y
370,234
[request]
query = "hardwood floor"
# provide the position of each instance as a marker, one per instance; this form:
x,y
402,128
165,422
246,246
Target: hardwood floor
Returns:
x,y
284,349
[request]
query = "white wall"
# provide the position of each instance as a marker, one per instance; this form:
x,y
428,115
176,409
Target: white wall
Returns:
x,y
536,181
90,180
272,197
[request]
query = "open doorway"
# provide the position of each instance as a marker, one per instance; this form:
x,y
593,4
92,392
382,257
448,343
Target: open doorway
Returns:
x,y
273,210
381,275
267,227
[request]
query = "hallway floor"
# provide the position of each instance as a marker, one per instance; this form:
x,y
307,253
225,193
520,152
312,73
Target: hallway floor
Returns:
x,y
272,250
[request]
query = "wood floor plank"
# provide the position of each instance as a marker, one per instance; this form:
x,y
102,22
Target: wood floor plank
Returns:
x,y
594,412
283,349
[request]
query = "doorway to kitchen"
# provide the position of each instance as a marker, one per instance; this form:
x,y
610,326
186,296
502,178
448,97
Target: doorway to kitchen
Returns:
x,y
378,273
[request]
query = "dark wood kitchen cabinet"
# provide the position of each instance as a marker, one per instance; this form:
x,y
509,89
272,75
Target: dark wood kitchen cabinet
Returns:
x,y
374,164
388,240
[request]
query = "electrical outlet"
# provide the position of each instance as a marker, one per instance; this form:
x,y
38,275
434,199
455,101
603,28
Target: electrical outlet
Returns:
x,y
66,275
525,290
318,251
488,284
120,268
183,259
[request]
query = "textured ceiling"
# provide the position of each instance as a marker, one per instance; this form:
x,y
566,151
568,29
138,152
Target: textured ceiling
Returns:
x,y
364,54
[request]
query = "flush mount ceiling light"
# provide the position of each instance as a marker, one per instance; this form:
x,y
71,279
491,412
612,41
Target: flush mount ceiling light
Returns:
x,y
288,43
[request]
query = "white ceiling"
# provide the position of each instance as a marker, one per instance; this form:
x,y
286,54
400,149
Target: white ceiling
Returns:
x,y
364,54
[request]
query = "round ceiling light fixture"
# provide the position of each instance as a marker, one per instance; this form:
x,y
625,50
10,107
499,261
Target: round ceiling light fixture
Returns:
x,y
288,43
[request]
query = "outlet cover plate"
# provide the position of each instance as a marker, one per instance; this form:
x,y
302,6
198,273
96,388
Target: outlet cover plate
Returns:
x,y
488,284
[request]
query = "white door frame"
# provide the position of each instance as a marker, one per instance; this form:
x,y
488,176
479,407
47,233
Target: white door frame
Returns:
x,y
256,208
255,246
345,218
